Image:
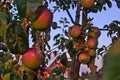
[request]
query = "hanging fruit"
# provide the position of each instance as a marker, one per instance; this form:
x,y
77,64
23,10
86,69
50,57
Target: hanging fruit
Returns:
x,y
92,43
74,31
84,58
41,18
87,3
95,32
32,59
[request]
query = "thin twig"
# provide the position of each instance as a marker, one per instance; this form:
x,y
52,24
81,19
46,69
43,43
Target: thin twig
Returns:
x,y
68,12
103,29
54,48
77,16
55,10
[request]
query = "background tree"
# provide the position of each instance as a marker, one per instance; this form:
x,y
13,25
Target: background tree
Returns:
x,y
34,18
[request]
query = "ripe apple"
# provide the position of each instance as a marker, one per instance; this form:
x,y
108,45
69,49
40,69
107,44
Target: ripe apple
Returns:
x,y
84,58
92,43
43,18
74,31
32,59
87,3
92,52
95,32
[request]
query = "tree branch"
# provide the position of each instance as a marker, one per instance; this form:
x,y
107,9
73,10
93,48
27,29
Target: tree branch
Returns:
x,y
76,62
84,17
103,29
68,12
77,17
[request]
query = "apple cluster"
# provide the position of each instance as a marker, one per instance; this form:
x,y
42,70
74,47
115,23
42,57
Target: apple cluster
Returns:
x,y
85,48
90,45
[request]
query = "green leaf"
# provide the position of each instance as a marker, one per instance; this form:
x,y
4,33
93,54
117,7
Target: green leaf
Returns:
x,y
16,38
104,8
118,5
10,63
21,6
115,48
63,59
7,76
5,13
56,43
27,7
32,6
111,68
56,36
3,24
109,4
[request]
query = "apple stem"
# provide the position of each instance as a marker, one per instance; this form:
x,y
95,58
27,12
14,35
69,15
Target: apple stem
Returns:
x,y
43,42
38,41
17,56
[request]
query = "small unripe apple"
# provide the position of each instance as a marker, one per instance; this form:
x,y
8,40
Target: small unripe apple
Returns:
x,y
32,59
84,58
92,52
95,32
87,3
76,44
74,31
44,18
92,43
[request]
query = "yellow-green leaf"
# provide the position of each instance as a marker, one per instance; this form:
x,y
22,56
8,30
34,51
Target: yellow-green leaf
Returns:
x,y
16,38
7,76
3,24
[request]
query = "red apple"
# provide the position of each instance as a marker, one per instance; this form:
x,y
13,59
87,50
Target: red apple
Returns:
x,y
32,59
74,31
95,32
92,43
87,3
84,58
44,18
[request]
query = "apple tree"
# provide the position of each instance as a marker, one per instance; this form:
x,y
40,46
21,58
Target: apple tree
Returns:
x,y
20,19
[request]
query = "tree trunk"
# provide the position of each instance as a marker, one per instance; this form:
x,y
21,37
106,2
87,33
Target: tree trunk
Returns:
x,y
72,68
76,64
76,69
93,68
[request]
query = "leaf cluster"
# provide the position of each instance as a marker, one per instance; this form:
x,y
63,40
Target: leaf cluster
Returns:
x,y
113,30
16,39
